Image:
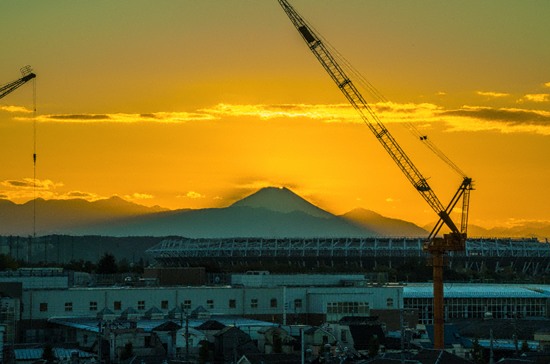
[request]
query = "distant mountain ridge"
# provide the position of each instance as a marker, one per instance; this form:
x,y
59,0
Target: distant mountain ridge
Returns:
x,y
61,216
270,212
383,226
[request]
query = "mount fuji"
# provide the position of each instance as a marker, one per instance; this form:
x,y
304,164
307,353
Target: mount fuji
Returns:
x,y
270,212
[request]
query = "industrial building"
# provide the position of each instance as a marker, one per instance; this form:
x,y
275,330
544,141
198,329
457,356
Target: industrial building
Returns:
x,y
285,299
480,301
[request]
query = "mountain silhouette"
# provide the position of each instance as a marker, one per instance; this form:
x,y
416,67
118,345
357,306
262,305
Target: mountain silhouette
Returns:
x,y
383,226
270,212
281,200
62,216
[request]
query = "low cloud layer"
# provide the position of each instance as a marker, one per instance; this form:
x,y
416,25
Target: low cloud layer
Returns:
x,y
466,118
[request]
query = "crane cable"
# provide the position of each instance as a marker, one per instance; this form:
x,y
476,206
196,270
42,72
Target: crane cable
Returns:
x,y
34,158
366,85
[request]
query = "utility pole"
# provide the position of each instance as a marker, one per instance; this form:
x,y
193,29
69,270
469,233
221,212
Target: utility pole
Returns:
x,y
99,337
184,312
491,358
303,349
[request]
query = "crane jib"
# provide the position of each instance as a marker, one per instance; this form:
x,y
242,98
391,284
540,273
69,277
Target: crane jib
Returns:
x,y
352,94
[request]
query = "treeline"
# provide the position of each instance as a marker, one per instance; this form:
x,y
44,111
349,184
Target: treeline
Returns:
x,y
106,264
64,249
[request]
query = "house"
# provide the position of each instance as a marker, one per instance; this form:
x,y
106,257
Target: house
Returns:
x,y
231,343
175,339
209,328
428,356
270,359
63,355
154,314
275,340
318,340
543,337
357,332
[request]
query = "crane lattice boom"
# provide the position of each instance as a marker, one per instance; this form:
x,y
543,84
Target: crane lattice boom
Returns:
x,y
366,113
12,86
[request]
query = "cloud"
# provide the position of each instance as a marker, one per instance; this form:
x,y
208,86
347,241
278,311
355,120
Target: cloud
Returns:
x,y
492,94
83,195
27,189
15,109
138,196
535,98
332,112
547,84
466,118
388,111
194,195
504,120
158,117
30,183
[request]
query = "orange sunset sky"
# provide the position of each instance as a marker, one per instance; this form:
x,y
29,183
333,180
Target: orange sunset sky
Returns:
x,y
195,104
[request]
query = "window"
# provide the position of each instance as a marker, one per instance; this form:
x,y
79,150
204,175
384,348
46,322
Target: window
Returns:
x,y
232,303
164,304
187,304
389,302
93,306
348,308
117,305
141,305
298,303
273,303
43,307
68,306
210,304
254,303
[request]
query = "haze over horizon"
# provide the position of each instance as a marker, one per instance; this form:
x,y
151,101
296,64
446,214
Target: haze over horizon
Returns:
x,y
198,104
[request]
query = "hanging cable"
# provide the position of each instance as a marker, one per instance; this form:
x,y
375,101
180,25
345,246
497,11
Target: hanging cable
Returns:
x,y
34,158
377,96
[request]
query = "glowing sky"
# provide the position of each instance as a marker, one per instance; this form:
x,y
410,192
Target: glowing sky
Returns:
x,y
193,104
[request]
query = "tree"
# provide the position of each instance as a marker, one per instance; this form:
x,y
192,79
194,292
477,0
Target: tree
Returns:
x,y
127,352
374,346
277,343
48,354
477,353
204,351
107,264
7,262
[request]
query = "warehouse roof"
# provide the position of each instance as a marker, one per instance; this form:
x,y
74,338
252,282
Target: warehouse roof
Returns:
x,y
477,290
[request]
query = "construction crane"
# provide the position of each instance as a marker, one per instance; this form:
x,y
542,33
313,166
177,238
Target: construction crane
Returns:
x,y
6,89
435,245
12,86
